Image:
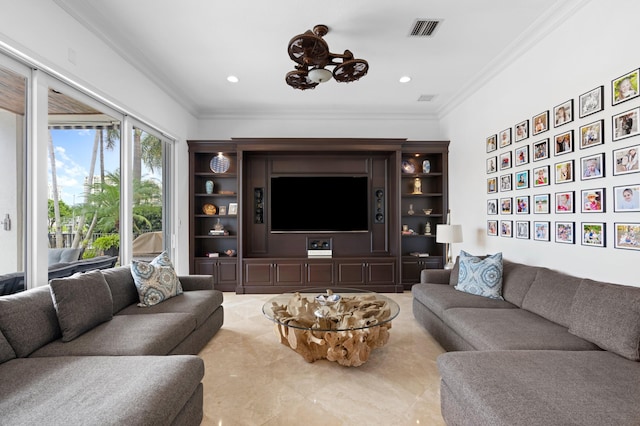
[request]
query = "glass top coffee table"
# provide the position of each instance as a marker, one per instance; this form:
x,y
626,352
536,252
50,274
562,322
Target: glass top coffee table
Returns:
x,y
340,324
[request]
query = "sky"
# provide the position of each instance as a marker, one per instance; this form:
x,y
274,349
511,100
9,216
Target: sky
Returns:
x,y
73,149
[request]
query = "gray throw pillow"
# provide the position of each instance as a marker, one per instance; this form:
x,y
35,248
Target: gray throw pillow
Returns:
x,y
609,316
28,320
70,255
82,301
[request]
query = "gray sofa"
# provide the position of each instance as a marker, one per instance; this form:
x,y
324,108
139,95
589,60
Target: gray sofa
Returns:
x,y
558,350
85,353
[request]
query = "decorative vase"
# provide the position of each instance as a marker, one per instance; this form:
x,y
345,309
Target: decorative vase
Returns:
x,y
426,166
410,212
208,186
427,229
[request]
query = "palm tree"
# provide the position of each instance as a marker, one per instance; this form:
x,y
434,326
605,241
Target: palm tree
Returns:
x,y
54,191
87,187
106,195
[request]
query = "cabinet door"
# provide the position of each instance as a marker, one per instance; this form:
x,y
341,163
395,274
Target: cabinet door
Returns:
x,y
411,270
258,273
228,272
289,273
380,272
205,267
319,273
351,273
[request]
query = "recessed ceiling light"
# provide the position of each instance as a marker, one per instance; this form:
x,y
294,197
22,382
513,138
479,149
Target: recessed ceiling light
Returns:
x,y
232,79
405,79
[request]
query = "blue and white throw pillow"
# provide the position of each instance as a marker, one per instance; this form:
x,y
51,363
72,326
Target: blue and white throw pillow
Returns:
x,y
482,277
155,281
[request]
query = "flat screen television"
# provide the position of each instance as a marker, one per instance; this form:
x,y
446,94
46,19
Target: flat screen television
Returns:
x,y
319,204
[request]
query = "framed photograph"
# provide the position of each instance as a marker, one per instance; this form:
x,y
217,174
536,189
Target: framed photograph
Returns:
x,y
522,130
540,123
492,164
541,203
591,102
522,229
506,228
222,210
541,176
522,155
492,206
541,231
522,179
505,183
593,234
563,113
505,205
492,185
563,143
624,87
625,124
627,236
592,167
505,137
564,202
626,198
564,232
492,227
492,143
564,172
505,160
592,200
625,160
233,208
541,150
592,134
522,205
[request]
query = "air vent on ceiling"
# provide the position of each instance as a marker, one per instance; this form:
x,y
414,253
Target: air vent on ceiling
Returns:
x,y
424,27
426,98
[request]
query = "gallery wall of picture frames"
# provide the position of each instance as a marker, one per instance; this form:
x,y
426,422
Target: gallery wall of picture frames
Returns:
x,y
558,156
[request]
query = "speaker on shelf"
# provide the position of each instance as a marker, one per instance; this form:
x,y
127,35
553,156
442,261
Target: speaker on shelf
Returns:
x,y
258,205
378,205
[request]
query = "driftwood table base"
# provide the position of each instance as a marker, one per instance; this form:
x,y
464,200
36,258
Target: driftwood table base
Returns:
x,y
350,348
344,330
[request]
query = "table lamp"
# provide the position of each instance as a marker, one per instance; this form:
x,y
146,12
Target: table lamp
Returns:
x,y
448,234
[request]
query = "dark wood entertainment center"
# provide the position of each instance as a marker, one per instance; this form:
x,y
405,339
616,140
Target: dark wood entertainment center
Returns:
x,y
381,258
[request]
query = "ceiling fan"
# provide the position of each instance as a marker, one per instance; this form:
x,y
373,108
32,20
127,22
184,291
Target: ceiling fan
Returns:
x,y
312,56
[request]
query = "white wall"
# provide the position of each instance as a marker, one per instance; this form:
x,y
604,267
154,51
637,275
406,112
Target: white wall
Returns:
x,y
591,48
297,127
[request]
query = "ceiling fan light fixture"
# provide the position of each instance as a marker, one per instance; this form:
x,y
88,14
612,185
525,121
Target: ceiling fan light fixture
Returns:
x,y
312,57
319,75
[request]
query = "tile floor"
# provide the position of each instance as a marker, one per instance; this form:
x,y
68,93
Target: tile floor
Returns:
x,y
251,379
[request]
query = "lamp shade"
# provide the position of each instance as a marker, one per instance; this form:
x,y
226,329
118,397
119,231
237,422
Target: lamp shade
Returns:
x,y
319,75
448,233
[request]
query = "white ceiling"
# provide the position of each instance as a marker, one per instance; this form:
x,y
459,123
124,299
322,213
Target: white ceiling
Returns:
x,y
189,47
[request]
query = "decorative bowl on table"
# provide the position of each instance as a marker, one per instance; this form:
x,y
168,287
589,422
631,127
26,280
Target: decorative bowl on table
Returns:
x,y
427,211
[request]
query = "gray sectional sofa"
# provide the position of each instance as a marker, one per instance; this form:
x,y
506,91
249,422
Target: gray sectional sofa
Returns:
x,y
86,354
558,350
